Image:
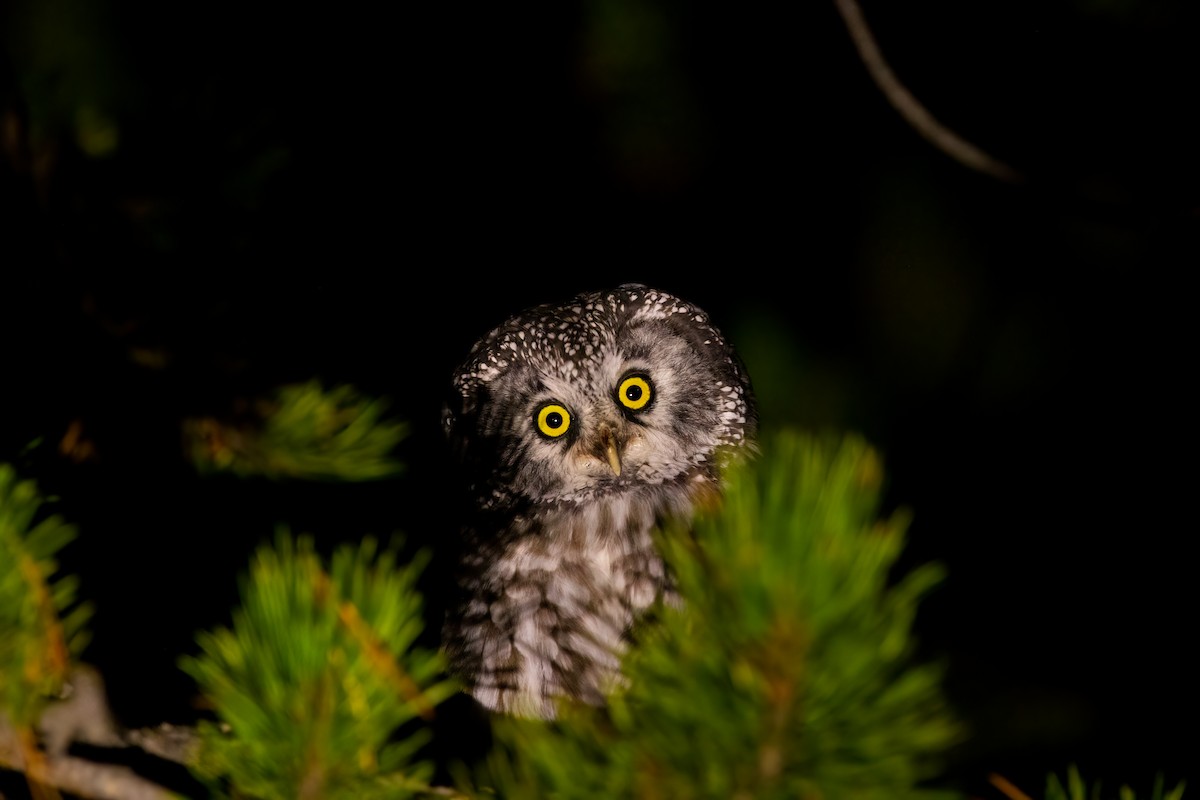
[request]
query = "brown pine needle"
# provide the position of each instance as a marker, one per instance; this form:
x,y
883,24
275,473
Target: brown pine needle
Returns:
x,y
382,660
55,656
1004,785
377,655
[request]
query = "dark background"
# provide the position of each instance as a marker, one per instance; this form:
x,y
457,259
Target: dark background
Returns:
x,y
201,203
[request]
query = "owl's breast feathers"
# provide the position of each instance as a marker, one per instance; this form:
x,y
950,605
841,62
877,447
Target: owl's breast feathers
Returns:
x,y
551,596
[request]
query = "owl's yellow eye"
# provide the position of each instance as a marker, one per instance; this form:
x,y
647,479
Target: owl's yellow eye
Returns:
x,y
553,420
635,392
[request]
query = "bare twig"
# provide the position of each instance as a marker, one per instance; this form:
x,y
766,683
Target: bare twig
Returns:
x,y
910,108
169,742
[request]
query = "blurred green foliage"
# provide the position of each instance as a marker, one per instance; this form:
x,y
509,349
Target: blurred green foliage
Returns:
x,y
68,58
41,624
794,384
633,66
304,431
787,673
318,671
1076,788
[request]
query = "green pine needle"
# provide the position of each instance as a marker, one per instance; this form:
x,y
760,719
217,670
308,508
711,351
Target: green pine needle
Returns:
x,y
41,626
1077,789
789,671
317,673
305,432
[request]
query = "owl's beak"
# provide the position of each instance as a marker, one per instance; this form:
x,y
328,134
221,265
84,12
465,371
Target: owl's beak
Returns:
x,y
608,441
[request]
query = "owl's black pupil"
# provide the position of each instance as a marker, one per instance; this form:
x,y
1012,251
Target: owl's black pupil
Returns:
x,y
554,419
633,393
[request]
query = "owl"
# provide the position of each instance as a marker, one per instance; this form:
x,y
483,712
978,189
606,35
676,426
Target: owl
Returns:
x,y
578,429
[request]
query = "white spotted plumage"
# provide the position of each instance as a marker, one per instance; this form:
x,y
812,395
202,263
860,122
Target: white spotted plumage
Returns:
x,y
560,558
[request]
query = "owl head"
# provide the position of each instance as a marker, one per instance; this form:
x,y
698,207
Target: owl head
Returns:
x,y
629,390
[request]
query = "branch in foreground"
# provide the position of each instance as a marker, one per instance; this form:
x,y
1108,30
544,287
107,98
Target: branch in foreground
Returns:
x,y
910,107
82,777
83,717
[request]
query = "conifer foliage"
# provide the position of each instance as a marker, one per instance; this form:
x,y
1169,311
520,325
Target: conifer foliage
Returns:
x,y
317,674
788,671
304,431
1076,788
41,624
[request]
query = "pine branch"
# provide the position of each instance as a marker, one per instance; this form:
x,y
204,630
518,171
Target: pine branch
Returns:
x,y
304,432
1077,789
41,625
787,673
44,698
316,676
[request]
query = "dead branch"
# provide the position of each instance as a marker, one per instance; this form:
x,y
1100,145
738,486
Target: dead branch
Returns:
x,y
82,716
910,108
81,777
